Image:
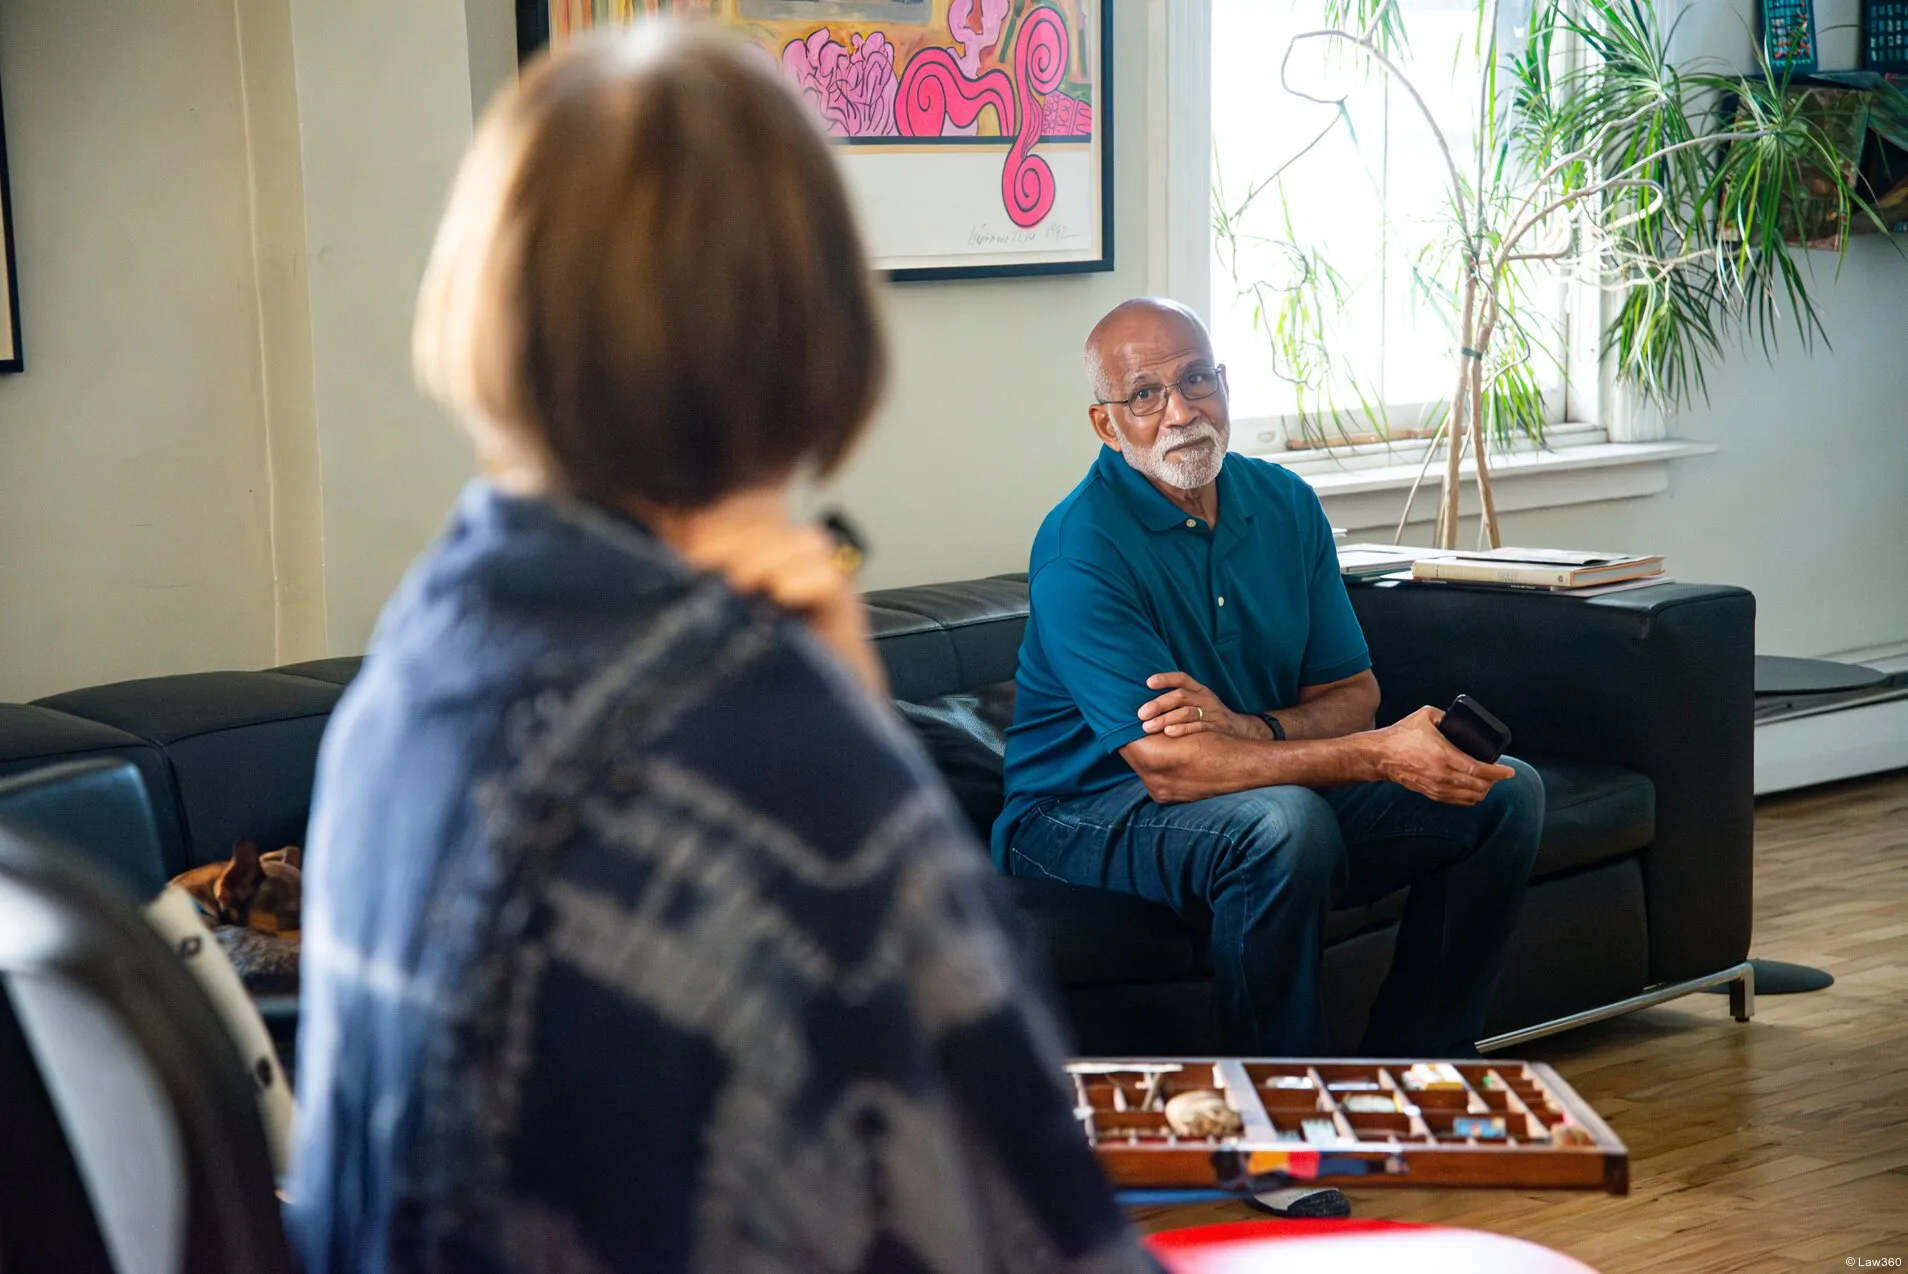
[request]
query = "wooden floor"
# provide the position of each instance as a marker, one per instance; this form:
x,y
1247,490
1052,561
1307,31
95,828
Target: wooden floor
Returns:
x,y
1779,1144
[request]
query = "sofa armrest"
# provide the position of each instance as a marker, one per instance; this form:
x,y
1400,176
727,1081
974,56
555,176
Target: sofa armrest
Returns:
x,y
1660,680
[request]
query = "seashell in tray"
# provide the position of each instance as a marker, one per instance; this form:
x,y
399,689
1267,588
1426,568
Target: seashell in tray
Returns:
x,y
1202,1113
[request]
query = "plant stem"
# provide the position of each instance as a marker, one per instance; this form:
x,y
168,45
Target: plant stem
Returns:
x,y
1460,407
1486,503
1430,451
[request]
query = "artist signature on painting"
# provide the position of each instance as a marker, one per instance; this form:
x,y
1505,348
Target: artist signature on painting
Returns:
x,y
994,236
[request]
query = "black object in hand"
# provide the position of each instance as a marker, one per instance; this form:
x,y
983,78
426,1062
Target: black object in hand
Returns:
x,y
1473,731
850,549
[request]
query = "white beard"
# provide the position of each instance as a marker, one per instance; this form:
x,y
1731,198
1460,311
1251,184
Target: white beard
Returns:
x,y
1185,472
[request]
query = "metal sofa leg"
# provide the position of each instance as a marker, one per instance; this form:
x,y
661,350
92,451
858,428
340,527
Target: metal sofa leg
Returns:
x,y
1742,994
1742,1006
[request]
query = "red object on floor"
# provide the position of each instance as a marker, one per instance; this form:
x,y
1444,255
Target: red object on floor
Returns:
x,y
1312,1247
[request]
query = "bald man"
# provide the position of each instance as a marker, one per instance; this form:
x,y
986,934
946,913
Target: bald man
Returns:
x,y
1195,724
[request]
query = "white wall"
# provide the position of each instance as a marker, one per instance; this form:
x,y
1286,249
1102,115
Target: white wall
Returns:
x,y
134,533
1806,502
217,457
290,421
173,387
384,101
985,406
984,427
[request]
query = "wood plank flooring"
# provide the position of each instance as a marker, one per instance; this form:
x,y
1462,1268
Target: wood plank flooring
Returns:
x,y
1780,1144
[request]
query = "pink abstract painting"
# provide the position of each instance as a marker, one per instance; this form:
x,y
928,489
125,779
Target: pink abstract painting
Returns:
x,y
1005,81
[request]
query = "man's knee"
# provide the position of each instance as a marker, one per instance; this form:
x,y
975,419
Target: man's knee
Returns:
x,y
1291,832
1517,807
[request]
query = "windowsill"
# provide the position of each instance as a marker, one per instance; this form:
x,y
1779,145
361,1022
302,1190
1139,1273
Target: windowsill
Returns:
x,y
1366,491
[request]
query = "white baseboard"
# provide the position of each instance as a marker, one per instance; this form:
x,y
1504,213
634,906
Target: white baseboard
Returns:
x,y
1890,658
1864,738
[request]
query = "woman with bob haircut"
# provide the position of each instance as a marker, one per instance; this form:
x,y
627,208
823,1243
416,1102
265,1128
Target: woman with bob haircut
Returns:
x,y
639,935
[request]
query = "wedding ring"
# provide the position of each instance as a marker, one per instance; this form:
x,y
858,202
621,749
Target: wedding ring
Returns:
x,y
850,549
847,559
1202,714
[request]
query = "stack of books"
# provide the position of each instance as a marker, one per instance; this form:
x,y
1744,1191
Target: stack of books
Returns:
x,y
1374,561
1578,573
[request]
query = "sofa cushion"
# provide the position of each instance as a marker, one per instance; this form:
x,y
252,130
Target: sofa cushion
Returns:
x,y
1089,935
916,652
966,736
1594,812
163,709
939,639
339,671
32,737
242,748
984,620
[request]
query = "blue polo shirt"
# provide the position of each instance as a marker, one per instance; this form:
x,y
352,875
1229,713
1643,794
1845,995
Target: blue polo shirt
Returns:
x,y
1126,584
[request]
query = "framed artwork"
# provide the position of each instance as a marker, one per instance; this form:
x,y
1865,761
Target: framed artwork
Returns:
x,y
10,360
976,136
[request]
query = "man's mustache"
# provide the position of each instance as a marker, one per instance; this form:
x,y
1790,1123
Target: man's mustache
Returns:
x,y
1192,437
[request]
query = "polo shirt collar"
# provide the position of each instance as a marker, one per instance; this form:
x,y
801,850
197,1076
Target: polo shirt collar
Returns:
x,y
1154,511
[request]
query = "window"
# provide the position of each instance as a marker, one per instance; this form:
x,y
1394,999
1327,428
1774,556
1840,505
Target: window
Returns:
x,y
1326,279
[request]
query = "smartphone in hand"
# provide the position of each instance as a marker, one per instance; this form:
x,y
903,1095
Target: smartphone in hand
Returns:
x,y
1473,731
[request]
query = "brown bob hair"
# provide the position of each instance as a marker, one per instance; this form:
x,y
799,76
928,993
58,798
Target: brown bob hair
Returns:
x,y
648,282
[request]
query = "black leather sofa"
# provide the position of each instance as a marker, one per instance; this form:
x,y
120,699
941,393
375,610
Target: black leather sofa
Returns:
x,y
1636,707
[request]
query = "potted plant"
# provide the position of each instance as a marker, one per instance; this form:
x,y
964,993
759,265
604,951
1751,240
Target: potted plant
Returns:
x,y
1677,194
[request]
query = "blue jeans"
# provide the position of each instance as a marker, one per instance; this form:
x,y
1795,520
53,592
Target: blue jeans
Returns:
x,y
1264,866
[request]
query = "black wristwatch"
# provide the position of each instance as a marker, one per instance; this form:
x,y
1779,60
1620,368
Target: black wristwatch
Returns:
x,y
1278,731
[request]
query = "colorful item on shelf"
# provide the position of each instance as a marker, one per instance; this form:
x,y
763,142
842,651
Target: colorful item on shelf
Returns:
x,y
1885,36
1483,1127
1788,34
1433,1076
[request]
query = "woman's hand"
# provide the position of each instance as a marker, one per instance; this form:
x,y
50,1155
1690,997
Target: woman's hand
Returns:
x,y
750,540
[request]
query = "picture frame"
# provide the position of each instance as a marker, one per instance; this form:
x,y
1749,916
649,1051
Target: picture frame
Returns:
x,y
11,358
932,105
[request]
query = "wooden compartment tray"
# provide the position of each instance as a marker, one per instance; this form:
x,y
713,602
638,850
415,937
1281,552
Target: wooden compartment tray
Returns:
x,y
1352,1122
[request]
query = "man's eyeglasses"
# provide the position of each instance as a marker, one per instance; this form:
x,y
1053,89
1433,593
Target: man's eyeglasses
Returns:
x,y
1150,400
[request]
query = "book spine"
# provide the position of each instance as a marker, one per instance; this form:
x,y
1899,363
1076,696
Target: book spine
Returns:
x,y
1494,584
1480,573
